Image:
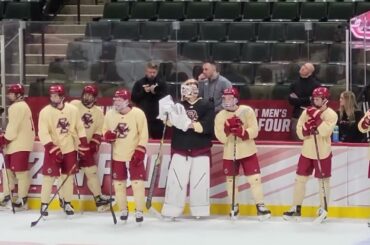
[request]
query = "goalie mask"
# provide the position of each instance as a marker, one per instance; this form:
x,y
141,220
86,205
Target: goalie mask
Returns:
x,y
230,99
121,99
320,97
189,89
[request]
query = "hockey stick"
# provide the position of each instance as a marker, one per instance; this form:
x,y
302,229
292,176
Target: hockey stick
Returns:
x,y
110,186
53,197
232,213
78,194
325,211
157,163
10,189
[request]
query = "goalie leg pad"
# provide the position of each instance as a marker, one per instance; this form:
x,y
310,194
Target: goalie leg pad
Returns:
x,y
23,183
120,194
92,180
199,186
299,190
256,187
176,187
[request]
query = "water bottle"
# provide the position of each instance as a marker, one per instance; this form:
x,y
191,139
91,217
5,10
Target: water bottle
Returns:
x,y
335,136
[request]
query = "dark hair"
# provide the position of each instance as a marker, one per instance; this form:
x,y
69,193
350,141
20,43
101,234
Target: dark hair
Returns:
x,y
152,65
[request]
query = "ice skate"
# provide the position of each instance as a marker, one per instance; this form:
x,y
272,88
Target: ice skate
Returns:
x,y
262,212
293,214
234,213
102,203
322,214
44,210
139,217
124,215
68,209
5,204
21,204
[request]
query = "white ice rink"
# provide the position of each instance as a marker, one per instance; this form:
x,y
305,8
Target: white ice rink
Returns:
x,y
95,228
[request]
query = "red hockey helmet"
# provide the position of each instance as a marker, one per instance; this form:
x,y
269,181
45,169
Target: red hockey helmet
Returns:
x,y
16,88
231,91
123,93
321,92
57,89
90,89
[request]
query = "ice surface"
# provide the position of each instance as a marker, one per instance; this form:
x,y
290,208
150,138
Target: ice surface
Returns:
x,y
97,228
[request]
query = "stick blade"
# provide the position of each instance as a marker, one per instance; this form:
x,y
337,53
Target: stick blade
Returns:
x,y
155,213
34,223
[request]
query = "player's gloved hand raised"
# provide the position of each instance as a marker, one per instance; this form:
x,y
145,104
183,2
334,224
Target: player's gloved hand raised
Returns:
x,y
309,127
234,122
138,156
313,112
54,152
95,143
240,132
110,136
3,141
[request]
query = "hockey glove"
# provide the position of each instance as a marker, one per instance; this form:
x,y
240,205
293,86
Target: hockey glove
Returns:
x,y
95,143
366,122
54,152
227,129
83,147
3,141
110,136
315,114
240,132
234,122
138,156
309,128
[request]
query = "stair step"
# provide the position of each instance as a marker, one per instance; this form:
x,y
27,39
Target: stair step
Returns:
x,y
73,18
49,48
85,9
65,29
37,59
32,69
57,38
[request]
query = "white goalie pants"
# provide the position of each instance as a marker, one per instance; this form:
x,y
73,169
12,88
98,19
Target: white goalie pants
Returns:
x,y
182,171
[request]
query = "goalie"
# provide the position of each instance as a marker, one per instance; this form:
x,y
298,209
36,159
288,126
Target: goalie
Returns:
x,y
192,121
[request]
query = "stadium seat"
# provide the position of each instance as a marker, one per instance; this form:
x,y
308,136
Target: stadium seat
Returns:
x,y
227,11
295,32
256,11
155,31
144,11
226,52
340,10
328,32
315,11
270,73
98,30
195,51
188,32
255,53
119,11
242,32
330,73
239,74
212,31
126,30
337,53
199,11
271,32
285,52
171,11
18,10
285,11
362,7
315,52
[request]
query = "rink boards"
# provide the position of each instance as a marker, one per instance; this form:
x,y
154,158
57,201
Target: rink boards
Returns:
x,y
350,187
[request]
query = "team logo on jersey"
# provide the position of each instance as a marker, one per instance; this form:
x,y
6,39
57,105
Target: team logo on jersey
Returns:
x,y
192,114
87,120
63,124
122,130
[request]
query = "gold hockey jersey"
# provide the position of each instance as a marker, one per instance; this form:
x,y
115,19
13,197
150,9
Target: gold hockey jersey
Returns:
x,y
62,127
131,130
325,129
244,148
92,118
20,130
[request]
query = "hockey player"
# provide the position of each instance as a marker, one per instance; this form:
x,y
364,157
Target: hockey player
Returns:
x,y
236,127
92,118
62,133
315,121
192,122
125,127
17,143
364,127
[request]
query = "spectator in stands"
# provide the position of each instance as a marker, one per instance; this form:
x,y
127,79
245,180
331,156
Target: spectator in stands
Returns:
x,y
146,93
212,85
300,93
349,116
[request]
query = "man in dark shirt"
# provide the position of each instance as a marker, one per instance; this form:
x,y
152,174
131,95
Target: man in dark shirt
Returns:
x,y
300,93
146,93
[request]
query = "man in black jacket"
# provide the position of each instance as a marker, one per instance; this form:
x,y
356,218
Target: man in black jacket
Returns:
x,y
146,93
300,93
